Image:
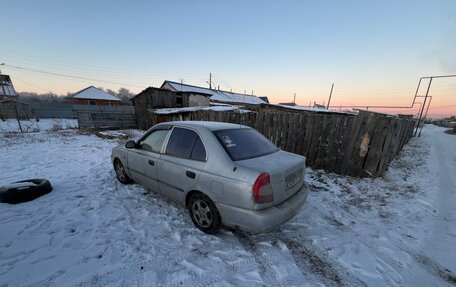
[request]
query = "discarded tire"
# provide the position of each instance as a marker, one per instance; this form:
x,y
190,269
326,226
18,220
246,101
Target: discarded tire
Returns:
x,y
24,190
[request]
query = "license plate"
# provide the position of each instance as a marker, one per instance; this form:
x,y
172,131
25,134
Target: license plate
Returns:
x,y
293,179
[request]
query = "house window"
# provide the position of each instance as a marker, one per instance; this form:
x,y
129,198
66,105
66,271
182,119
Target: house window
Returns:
x,y
179,101
91,102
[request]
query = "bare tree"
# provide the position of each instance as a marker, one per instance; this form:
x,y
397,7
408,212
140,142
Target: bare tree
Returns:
x,y
125,94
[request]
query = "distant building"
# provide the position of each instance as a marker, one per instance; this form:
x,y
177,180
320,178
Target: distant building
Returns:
x,y
217,96
449,122
153,98
318,106
287,104
7,91
95,97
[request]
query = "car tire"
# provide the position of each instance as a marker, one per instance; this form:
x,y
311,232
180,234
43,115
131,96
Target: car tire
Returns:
x,y
204,213
17,194
120,172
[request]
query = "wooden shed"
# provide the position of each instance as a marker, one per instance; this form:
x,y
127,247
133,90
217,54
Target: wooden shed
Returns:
x,y
217,96
7,91
153,98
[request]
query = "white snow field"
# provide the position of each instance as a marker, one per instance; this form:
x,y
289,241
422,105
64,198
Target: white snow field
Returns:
x,y
93,231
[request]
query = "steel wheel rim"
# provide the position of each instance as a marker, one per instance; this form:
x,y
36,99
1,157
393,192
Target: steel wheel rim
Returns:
x,y
202,214
120,171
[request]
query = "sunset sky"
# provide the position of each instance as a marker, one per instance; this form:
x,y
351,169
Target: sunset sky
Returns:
x,y
373,51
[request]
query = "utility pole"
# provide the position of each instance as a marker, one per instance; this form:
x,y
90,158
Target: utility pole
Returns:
x,y
294,99
330,94
210,81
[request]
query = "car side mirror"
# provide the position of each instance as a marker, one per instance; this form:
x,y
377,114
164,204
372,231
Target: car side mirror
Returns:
x,y
130,144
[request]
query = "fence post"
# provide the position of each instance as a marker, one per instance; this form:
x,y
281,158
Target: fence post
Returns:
x,y
17,118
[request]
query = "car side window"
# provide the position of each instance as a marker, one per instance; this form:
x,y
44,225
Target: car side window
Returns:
x,y
199,152
154,141
186,143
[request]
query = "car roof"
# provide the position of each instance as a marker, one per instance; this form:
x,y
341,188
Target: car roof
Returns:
x,y
213,126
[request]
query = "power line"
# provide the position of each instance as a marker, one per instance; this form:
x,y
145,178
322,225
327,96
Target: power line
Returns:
x,y
72,76
27,83
105,68
140,78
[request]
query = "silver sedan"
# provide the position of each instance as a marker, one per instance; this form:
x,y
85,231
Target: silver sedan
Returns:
x,y
225,174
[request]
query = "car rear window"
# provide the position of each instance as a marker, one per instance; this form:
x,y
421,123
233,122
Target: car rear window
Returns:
x,y
244,143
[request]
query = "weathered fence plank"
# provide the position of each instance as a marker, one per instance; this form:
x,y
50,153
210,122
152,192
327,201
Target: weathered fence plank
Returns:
x,y
105,116
373,157
359,145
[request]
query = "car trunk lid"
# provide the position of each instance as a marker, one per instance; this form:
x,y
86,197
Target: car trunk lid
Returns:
x,y
286,172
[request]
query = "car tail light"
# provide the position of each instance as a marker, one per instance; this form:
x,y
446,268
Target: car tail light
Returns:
x,y
262,191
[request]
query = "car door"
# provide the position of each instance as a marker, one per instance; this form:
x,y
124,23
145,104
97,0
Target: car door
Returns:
x,y
181,164
143,160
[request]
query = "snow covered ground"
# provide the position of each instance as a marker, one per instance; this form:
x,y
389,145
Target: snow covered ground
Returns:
x,y
93,231
12,126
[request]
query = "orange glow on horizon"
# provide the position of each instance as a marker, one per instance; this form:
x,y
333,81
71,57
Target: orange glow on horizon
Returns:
x,y
443,102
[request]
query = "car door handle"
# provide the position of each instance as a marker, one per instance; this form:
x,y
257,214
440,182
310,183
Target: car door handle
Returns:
x,y
151,162
190,174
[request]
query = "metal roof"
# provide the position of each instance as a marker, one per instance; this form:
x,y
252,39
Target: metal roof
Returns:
x,y
92,93
217,95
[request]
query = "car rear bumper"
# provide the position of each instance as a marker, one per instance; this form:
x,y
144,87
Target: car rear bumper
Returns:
x,y
266,219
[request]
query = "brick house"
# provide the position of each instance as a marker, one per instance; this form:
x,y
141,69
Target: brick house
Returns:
x,y
95,97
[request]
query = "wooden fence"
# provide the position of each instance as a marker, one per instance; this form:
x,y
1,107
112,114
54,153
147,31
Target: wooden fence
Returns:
x,y
357,145
105,116
54,110
15,110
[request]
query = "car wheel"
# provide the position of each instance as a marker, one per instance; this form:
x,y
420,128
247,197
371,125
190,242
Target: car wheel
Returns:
x,y
25,190
120,172
204,214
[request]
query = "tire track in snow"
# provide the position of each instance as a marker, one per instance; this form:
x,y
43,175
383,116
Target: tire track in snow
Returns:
x,y
261,259
435,268
315,267
308,259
